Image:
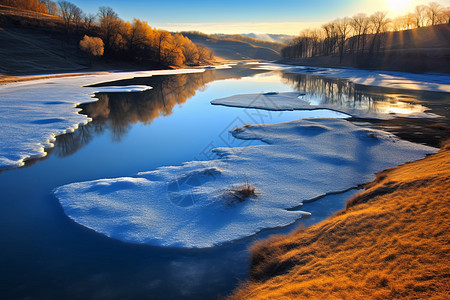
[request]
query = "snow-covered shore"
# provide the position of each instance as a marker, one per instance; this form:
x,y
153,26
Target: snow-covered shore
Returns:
x,y
33,113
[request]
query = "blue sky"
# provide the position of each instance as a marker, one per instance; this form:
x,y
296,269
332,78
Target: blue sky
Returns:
x,y
234,16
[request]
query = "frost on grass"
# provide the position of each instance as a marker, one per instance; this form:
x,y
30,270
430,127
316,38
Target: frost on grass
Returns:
x,y
189,206
294,101
32,113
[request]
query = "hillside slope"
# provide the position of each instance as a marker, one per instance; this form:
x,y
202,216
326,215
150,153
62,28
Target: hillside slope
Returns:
x,y
392,242
34,43
252,41
424,49
437,36
276,38
233,49
31,51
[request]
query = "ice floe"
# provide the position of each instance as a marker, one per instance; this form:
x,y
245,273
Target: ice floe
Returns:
x,y
219,67
391,79
123,89
293,101
32,113
196,205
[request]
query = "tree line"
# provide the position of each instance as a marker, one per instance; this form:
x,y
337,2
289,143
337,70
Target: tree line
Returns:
x,y
106,34
40,6
361,33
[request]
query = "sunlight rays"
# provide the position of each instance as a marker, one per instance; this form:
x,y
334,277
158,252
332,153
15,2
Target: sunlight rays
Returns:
x,y
398,7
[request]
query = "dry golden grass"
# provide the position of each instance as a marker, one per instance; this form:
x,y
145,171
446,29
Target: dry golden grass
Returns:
x,y
391,242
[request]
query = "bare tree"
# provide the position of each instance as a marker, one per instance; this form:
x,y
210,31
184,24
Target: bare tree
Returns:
x,y
360,25
331,37
352,34
399,23
317,37
410,21
446,15
435,13
205,55
111,26
65,11
420,15
89,20
77,16
70,13
343,28
379,24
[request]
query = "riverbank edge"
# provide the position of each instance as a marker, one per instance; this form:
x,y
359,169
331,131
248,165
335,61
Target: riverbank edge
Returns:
x,y
392,241
421,61
12,78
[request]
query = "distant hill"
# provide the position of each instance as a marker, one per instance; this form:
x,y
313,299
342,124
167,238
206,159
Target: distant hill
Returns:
x,y
275,38
253,41
235,47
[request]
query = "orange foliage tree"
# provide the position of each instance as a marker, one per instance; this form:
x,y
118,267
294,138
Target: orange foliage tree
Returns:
x,y
144,43
135,41
33,5
93,46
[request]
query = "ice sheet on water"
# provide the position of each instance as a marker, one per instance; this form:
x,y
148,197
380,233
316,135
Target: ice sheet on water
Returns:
x,y
293,101
193,206
390,79
123,89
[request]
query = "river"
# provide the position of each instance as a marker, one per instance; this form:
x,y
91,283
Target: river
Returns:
x,y
45,255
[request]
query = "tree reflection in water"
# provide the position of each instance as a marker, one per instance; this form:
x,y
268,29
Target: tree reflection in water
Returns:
x,y
117,112
432,131
340,92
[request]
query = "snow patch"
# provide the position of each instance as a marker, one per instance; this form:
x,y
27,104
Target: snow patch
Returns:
x,y
189,206
123,89
219,67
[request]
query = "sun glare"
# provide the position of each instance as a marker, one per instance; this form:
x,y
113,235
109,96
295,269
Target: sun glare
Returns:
x,y
398,6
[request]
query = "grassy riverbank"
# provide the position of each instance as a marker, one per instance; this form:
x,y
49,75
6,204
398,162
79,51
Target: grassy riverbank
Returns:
x,y
392,241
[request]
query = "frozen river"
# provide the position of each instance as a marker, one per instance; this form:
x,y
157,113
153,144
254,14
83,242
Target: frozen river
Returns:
x,y
46,255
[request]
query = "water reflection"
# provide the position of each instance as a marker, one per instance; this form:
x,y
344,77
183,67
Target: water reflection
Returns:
x,y
117,112
322,90
340,92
